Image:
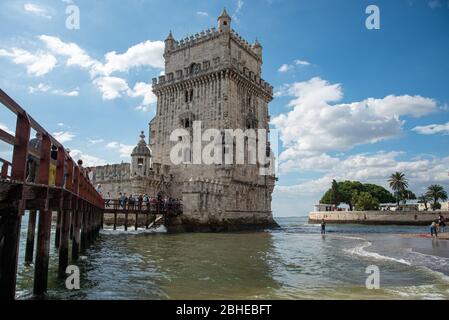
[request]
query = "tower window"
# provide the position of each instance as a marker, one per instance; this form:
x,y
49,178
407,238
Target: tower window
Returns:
x,y
140,162
191,95
186,96
225,23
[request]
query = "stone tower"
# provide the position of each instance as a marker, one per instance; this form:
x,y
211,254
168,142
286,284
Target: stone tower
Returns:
x,y
213,78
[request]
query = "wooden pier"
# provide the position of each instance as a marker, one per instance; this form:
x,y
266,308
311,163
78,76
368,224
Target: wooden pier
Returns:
x,y
68,192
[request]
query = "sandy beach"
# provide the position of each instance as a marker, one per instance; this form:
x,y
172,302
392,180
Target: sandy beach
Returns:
x,y
441,236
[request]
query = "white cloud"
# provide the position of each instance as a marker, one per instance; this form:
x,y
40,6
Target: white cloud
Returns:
x,y
95,141
202,13
60,124
123,149
88,160
302,63
63,136
144,90
315,125
145,54
4,127
111,87
37,64
76,56
433,129
284,68
41,87
36,10
237,10
374,168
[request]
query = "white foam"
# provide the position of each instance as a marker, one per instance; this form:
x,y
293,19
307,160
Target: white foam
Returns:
x,y
111,231
359,250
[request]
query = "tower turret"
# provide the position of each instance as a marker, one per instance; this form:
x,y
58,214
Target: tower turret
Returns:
x,y
141,159
169,43
257,48
224,21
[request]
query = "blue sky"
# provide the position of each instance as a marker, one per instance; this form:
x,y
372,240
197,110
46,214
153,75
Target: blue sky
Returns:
x,y
351,103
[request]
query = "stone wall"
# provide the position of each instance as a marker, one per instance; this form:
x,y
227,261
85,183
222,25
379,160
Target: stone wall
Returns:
x,y
377,217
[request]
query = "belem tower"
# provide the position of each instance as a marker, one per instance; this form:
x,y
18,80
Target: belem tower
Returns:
x,y
212,79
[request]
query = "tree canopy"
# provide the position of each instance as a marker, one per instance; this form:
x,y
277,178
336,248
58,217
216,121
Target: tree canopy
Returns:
x,y
365,195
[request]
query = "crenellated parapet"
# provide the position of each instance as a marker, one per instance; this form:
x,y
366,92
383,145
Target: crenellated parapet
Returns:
x,y
207,73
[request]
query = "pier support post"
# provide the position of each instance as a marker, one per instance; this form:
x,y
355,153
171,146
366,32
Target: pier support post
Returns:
x,y
42,253
115,220
137,221
9,246
85,217
29,249
76,233
64,243
58,229
126,221
147,220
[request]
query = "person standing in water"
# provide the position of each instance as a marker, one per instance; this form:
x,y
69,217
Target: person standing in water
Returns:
x,y
323,227
433,229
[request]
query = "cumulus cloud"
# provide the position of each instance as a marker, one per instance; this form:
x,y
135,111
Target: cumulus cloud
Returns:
x,y
145,54
144,90
74,54
36,10
202,13
88,160
41,87
433,129
5,128
37,64
111,87
316,124
374,168
123,149
63,136
286,67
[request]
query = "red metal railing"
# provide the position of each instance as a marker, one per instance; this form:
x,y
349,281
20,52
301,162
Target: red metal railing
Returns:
x,y
68,174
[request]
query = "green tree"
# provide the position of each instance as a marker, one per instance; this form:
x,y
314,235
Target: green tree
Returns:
x,y
334,194
365,201
399,184
380,193
436,192
424,198
407,195
346,190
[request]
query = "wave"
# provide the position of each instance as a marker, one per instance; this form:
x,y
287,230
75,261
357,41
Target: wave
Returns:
x,y
111,231
359,250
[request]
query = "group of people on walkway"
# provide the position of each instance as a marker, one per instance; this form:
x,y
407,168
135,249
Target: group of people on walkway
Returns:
x,y
145,202
439,225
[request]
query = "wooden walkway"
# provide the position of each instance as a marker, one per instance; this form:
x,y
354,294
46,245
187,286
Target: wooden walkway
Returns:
x,y
155,213
68,192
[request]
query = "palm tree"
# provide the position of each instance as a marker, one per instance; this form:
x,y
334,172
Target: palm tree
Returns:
x,y
436,192
424,198
399,184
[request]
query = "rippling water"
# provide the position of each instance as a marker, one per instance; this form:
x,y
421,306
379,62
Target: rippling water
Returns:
x,y
295,262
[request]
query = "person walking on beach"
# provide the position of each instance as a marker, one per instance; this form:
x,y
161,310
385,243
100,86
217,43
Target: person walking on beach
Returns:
x,y
433,229
323,227
441,222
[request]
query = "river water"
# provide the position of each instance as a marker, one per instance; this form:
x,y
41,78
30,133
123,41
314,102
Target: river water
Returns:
x,y
294,262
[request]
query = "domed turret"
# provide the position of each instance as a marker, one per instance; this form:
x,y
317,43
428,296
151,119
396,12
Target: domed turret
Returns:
x,y
224,21
141,158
